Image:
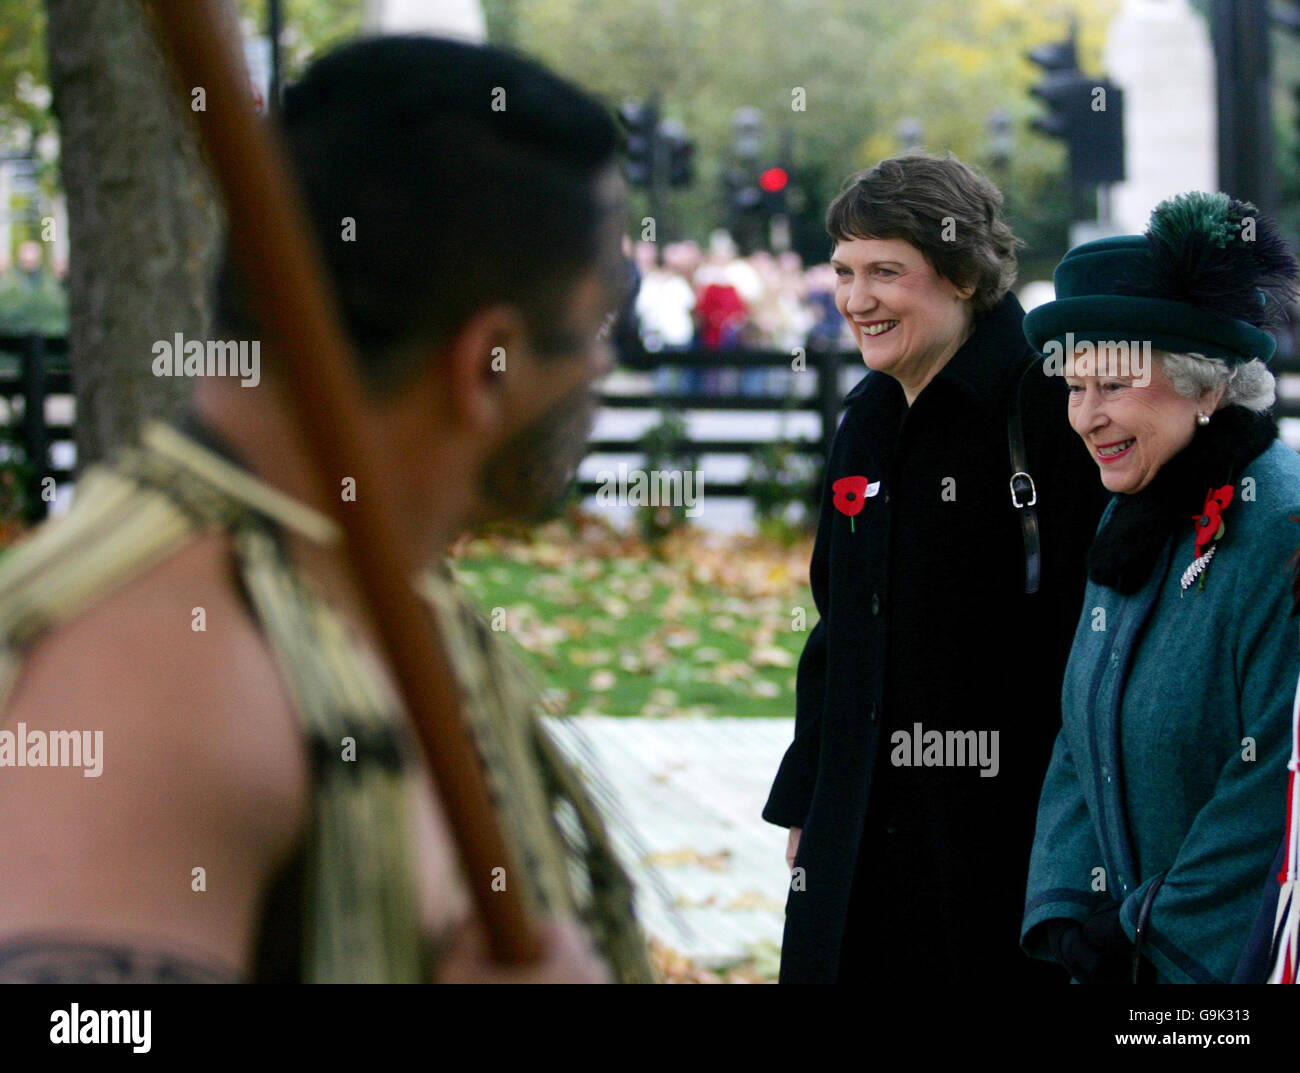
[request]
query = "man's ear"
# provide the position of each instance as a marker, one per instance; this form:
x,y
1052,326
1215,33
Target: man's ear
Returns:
x,y
477,362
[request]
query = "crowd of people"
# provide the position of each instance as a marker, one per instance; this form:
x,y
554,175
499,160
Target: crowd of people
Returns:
x,y
715,299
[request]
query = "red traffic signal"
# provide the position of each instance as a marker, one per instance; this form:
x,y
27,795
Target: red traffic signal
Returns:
x,y
774,180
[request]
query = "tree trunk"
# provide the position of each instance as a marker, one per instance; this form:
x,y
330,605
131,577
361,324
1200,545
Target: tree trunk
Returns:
x,y
142,218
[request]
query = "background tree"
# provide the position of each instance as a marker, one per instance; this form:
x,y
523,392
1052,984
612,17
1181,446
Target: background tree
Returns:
x,y
142,219
864,67
22,66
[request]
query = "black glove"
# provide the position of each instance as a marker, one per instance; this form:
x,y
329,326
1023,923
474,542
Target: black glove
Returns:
x,y
1105,933
1094,952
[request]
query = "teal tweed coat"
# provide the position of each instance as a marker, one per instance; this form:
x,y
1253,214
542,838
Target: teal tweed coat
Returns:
x,y
1167,785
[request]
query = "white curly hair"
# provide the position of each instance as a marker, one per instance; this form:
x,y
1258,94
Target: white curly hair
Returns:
x,y
1249,384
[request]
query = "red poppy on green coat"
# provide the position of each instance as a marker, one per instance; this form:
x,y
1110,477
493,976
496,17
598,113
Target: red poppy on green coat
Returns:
x,y
1210,520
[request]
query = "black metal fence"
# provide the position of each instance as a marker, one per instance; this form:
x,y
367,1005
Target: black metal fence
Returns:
x,y
822,396
34,369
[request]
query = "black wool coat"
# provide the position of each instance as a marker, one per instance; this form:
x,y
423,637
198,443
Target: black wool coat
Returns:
x,y
917,873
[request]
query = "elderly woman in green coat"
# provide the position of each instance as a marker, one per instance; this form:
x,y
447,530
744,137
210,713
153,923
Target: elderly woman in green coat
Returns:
x,y
1159,818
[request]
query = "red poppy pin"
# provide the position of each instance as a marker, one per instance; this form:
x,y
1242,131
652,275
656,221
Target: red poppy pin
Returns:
x,y
851,495
1209,528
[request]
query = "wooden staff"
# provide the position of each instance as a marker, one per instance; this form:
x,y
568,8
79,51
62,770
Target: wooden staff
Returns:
x,y
282,272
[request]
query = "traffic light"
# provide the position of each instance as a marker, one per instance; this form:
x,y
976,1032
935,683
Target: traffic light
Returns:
x,y
681,164
1086,113
774,182
1097,148
679,151
743,196
1060,89
640,126
657,153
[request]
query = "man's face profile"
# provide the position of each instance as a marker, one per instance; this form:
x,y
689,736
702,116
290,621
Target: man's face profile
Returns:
x,y
527,477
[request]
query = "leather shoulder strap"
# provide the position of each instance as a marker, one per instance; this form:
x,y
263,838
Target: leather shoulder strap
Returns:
x,y
1024,493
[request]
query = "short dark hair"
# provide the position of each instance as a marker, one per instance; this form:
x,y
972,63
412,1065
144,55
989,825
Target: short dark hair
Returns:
x,y
471,175
944,208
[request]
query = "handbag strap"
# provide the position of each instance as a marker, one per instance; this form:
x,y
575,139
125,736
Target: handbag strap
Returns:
x,y
1024,493
1143,922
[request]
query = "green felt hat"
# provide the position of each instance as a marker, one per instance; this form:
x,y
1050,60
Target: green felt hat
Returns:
x,y
1206,277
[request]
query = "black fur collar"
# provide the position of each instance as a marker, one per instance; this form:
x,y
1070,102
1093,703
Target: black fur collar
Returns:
x,y
1125,552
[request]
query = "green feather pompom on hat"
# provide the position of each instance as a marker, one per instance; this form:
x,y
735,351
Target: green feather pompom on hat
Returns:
x,y
1207,277
1197,218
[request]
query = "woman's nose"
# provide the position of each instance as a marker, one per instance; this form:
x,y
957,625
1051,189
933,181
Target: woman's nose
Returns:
x,y
1090,413
860,297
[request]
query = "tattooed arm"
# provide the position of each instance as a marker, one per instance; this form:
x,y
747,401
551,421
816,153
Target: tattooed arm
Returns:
x,y
50,960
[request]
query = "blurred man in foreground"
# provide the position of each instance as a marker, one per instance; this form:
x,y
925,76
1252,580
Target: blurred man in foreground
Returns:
x,y
256,808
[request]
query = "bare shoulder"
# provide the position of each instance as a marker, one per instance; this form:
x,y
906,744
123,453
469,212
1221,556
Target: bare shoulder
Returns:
x,y
173,781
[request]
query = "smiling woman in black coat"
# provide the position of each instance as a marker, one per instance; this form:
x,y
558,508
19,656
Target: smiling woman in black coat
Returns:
x,y
928,693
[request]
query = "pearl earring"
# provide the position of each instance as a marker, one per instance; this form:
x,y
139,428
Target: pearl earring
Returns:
x,y
1202,418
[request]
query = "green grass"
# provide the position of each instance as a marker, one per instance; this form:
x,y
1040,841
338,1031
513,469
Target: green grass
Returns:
x,y
701,632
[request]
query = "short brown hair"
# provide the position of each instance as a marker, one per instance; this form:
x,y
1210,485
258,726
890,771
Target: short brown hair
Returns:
x,y
921,198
